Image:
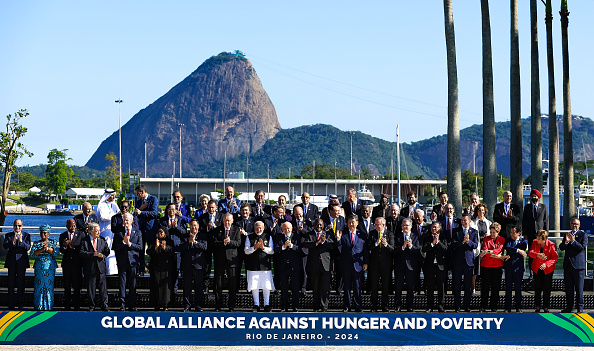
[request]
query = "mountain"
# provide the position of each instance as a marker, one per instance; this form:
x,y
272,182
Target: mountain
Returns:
x,y
222,106
300,146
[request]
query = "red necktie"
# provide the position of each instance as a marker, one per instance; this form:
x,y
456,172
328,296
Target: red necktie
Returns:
x,y
128,232
95,245
352,237
226,233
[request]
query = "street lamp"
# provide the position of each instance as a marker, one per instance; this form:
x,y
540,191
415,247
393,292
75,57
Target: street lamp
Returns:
x,y
119,102
180,125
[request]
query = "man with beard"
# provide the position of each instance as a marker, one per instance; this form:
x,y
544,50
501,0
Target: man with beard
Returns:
x,y
320,244
259,248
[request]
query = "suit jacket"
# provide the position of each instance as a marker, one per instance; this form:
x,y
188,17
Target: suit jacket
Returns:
x,y
405,211
193,255
205,218
515,263
362,228
424,228
409,258
448,234
93,265
79,219
127,256
318,252
264,213
117,222
380,255
435,252
348,211
438,210
17,257
551,253
162,260
380,212
247,225
185,211
71,256
340,224
353,254
394,224
310,211
223,206
177,232
532,224
575,252
271,227
307,226
289,258
462,253
226,254
505,222
147,220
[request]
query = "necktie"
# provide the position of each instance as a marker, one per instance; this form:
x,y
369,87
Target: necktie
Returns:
x,y
226,233
71,236
128,232
353,208
352,237
177,207
170,222
366,225
334,225
448,226
381,234
418,229
534,209
318,235
95,245
465,231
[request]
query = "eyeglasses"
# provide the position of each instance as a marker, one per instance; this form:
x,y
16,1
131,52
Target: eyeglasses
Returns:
x,y
18,225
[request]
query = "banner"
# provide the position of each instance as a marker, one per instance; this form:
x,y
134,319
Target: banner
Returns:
x,y
165,328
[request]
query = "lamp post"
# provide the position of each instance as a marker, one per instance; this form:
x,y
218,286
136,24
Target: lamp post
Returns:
x,y
180,125
119,102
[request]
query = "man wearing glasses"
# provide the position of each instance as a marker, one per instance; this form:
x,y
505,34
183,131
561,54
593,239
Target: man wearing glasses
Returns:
x,y
310,211
18,244
574,244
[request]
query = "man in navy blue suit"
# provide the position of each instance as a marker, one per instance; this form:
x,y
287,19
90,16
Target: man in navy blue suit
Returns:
x,y
18,244
181,209
176,227
147,207
70,242
287,247
93,251
354,258
229,204
365,222
515,248
320,244
335,224
407,263
353,205
464,241
310,211
574,266
127,245
194,253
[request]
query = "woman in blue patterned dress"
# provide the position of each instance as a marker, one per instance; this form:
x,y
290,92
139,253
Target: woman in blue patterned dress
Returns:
x,y
45,252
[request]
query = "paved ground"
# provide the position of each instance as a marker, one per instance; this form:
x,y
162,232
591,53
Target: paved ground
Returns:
x,y
285,348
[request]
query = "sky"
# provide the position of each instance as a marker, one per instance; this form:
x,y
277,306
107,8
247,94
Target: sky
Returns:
x,y
357,66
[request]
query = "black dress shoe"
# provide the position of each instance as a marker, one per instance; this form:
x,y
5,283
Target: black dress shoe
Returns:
x,y
77,308
537,310
457,310
315,310
231,309
398,309
508,310
105,309
358,310
566,310
132,309
429,310
345,310
91,309
482,310
217,309
409,310
467,310
122,309
67,308
580,310
157,308
186,309
295,310
256,308
440,309
545,310
385,309
324,310
518,310
198,309
373,310
267,308
494,310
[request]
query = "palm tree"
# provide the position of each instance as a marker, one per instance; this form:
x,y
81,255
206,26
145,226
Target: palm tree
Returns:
x,y
535,127
553,181
515,110
568,201
489,159
453,162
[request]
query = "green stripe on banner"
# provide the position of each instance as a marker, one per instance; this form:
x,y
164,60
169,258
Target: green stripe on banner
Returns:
x,y
42,317
580,323
566,325
14,324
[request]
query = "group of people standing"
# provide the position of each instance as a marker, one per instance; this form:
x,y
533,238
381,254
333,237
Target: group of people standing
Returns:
x,y
303,248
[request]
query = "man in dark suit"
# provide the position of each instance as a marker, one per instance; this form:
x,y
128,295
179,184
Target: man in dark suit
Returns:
x,y
438,211
147,207
226,241
229,204
383,209
301,226
273,224
407,263
181,209
117,221
245,222
535,217
193,252
18,244
209,222
127,245
320,245
474,202
335,224
380,243
287,246
394,220
310,211
176,227
353,205
464,241
365,222
93,251
260,210
575,245
408,211
354,258
70,242
515,248
435,266
85,217
506,214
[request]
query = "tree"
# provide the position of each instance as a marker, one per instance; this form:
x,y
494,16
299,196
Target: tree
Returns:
x,y
112,174
57,173
453,158
535,125
489,156
568,200
11,149
553,181
515,110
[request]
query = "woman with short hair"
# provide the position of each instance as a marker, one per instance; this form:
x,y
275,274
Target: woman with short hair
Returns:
x,y
544,256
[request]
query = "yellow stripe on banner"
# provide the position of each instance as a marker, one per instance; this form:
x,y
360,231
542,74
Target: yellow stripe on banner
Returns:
x,y
6,320
584,317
